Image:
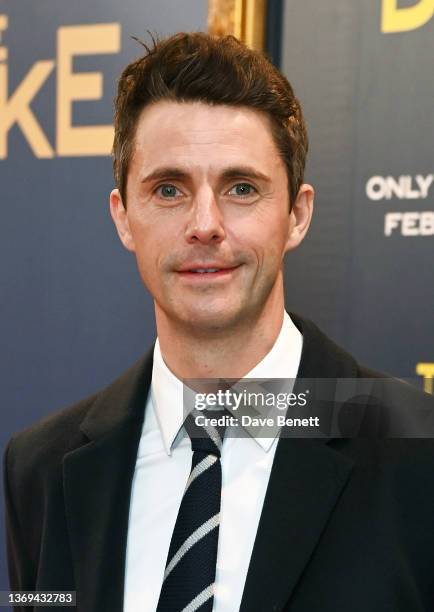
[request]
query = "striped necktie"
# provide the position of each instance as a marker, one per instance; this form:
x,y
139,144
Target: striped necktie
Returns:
x,y
189,578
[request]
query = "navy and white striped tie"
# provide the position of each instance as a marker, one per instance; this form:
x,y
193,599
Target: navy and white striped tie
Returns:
x,y
189,578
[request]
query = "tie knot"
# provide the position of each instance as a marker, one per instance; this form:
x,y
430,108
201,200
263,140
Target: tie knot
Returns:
x,y
206,430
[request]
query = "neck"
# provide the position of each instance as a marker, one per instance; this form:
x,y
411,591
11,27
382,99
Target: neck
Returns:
x,y
226,353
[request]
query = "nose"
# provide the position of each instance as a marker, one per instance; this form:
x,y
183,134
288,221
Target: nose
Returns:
x,y
205,223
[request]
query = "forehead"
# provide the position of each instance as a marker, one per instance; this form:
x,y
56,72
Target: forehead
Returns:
x,y
195,133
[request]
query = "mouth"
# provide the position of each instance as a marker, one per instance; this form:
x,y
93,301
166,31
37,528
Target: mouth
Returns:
x,y
201,274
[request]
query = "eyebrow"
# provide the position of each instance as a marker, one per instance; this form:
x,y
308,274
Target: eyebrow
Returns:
x,y
173,172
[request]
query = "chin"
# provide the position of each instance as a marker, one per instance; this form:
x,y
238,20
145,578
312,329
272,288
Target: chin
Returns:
x,y
211,318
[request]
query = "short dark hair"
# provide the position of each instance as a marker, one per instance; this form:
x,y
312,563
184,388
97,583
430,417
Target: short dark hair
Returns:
x,y
196,66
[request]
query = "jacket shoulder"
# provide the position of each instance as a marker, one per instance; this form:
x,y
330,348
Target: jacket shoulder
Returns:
x,y
45,442
30,451
396,391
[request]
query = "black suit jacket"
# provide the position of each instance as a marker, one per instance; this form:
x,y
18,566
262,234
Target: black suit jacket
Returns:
x,y
347,524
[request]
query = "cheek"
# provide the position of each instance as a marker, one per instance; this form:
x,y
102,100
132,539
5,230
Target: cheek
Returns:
x,y
146,233
155,246
146,243
265,240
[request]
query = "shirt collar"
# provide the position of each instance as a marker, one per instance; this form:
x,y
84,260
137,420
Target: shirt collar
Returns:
x,y
282,361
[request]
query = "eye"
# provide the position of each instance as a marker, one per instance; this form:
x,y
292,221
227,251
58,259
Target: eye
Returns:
x,y
168,191
242,190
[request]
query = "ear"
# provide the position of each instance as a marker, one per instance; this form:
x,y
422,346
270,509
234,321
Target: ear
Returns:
x,y
300,216
120,219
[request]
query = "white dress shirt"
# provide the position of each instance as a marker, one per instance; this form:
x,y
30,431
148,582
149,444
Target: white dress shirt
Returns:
x,y
162,469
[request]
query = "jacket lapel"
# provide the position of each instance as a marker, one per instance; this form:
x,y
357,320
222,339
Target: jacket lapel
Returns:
x,y
97,487
306,481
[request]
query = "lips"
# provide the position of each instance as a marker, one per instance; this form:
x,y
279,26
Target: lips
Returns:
x,y
206,271
202,268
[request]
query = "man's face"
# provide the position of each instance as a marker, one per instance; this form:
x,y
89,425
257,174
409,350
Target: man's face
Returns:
x,y
207,213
